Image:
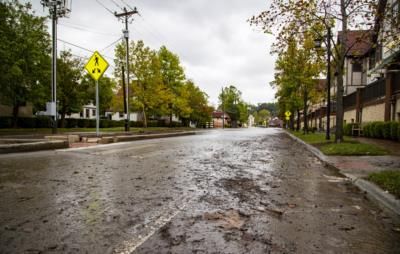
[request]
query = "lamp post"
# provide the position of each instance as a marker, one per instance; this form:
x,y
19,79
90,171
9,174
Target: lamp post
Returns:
x,y
318,44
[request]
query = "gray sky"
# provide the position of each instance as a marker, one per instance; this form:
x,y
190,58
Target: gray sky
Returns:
x,y
215,43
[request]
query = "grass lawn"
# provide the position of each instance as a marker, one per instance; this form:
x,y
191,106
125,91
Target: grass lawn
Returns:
x,y
348,147
352,148
387,180
311,138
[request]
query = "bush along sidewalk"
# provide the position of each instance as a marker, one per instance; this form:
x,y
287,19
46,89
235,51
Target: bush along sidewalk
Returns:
x,y
388,180
379,129
349,147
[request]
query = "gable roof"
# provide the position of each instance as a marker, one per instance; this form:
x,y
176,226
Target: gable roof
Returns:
x,y
358,42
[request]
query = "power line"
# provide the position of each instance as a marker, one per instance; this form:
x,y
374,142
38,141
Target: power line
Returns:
x,y
77,46
119,6
88,50
85,29
123,1
105,7
113,43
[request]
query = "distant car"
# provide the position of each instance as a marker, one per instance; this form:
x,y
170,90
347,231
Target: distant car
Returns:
x,y
275,122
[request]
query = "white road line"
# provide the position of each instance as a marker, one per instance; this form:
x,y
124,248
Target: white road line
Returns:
x,y
129,246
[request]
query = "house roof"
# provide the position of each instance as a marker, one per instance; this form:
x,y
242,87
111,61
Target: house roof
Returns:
x,y
218,114
358,42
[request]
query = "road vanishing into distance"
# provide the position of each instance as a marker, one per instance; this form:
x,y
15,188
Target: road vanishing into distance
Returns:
x,y
221,191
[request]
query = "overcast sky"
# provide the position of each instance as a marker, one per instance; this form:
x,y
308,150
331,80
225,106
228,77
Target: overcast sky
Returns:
x,y
215,43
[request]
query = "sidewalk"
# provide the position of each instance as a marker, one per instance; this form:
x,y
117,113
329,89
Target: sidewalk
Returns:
x,y
79,140
356,168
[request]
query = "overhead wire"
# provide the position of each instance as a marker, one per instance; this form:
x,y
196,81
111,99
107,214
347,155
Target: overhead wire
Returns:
x,y
117,4
105,7
85,29
85,49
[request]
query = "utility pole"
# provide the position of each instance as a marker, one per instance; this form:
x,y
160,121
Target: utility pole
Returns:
x,y
125,98
57,9
223,109
127,14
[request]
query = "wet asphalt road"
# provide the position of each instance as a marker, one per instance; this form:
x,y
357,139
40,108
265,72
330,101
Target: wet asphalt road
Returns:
x,y
232,191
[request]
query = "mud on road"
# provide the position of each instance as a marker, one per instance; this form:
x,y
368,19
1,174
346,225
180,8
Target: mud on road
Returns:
x,y
233,191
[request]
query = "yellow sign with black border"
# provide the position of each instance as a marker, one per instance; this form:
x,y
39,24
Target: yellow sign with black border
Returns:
x,y
96,66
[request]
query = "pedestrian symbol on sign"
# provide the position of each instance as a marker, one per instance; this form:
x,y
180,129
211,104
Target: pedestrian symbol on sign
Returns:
x,y
96,66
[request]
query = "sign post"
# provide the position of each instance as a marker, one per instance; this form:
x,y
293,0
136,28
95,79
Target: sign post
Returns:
x,y
96,66
287,117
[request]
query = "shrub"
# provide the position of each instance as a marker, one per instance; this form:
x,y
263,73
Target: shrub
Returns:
x,y
71,123
26,122
347,129
367,130
377,129
6,122
386,132
394,126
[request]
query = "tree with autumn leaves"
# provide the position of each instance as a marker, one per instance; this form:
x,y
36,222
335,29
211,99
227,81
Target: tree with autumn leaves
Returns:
x,y
283,17
297,69
159,86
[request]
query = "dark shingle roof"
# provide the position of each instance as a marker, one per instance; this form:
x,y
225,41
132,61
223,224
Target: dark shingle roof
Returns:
x,y
358,42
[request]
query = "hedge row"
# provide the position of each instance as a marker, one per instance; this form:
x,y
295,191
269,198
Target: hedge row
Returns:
x,y
383,130
46,122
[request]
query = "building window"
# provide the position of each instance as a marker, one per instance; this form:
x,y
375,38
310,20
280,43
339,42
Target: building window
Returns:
x,y
372,59
121,114
81,114
93,112
357,66
87,113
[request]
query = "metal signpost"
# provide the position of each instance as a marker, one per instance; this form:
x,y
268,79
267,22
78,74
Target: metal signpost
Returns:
x,y
96,66
287,117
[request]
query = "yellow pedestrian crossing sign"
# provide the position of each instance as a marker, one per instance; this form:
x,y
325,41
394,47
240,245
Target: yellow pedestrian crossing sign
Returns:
x,y
96,66
288,114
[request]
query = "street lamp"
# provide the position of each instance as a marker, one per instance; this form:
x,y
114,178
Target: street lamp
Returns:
x,y
318,44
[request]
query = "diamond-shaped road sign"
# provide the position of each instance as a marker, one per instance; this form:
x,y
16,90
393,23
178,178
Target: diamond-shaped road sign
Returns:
x,y
288,113
96,66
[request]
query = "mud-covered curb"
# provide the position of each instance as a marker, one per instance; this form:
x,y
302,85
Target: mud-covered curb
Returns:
x,y
33,146
127,138
382,198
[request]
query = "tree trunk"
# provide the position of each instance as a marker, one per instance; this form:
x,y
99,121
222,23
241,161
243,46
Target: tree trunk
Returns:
x,y
291,123
144,118
170,119
340,71
62,122
305,100
15,115
298,120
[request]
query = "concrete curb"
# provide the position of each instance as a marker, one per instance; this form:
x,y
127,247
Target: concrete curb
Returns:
x,y
142,137
34,146
382,198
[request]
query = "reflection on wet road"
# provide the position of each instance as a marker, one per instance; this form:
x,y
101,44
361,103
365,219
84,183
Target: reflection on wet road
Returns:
x,y
232,191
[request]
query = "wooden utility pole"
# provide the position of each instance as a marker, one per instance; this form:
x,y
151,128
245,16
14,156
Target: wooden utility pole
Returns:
x,y
126,15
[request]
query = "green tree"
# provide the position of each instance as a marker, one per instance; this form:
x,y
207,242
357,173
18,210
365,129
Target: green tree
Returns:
x,y
149,92
24,56
231,102
263,116
283,17
71,92
297,68
198,103
173,77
